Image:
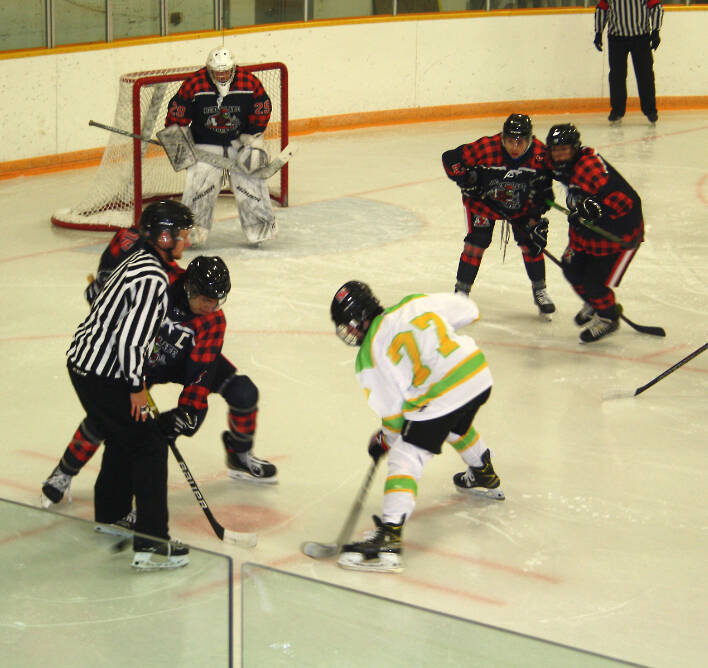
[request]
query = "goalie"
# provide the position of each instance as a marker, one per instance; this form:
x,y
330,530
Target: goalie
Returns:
x,y
227,111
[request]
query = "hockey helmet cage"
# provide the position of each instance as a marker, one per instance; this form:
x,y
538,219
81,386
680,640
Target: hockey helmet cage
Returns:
x,y
220,65
353,308
209,277
518,126
162,221
564,134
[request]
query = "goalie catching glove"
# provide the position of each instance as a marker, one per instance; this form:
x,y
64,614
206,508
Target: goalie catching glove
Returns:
x,y
176,422
378,446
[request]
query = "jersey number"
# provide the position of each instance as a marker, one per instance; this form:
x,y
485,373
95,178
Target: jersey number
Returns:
x,y
405,341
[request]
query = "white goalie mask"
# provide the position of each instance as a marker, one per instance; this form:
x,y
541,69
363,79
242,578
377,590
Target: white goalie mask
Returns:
x,y
221,67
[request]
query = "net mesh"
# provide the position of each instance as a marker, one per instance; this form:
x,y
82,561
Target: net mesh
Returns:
x,y
133,172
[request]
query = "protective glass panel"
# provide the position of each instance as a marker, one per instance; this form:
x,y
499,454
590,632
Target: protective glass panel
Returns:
x,y
69,600
76,23
189,15
290,620
22,25
135,18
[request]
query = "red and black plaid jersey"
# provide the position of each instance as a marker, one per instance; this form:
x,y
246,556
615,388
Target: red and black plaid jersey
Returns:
x,y
212,119
186,350
504,183
592,175
123,244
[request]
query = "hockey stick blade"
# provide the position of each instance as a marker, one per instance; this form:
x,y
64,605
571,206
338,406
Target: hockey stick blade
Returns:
x,y
644,329
239,538
319,550
619,394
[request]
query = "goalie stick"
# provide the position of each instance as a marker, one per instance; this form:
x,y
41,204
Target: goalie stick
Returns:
x,y
182,161
234,537
324,550
626,394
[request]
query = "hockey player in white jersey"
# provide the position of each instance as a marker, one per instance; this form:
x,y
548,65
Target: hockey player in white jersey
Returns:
x,y
427,383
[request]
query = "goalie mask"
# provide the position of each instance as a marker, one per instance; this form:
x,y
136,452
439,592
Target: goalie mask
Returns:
x,y
207,277
353,308
564,134
161,222
221,67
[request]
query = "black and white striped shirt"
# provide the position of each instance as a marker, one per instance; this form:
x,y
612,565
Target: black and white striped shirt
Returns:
x,y
628,18
120,329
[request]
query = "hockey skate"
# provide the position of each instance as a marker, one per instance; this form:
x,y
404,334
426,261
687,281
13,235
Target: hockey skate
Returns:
x,y
246,466
584,315
598,328
379,552
154,555
54,488
480,480
123,527
545,305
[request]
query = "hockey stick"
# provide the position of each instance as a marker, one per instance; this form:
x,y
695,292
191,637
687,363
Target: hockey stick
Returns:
x,y
324,550
234,537
594,228
222,162
629,393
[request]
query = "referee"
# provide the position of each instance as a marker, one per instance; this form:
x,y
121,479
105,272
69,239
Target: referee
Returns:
x,y
633,28
106,360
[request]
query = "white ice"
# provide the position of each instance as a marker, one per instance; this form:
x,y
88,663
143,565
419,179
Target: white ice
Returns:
x,y
601,542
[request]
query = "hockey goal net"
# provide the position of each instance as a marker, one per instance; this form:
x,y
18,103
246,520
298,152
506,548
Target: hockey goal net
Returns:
x,y
133,172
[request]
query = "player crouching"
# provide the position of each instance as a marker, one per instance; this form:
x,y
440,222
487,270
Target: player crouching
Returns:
x,y
427,383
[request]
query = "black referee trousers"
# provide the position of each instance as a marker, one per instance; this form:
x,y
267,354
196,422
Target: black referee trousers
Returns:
x,y
643,60
134,457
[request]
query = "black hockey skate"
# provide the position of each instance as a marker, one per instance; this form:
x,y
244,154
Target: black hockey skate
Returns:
x,y
480,480
380,552
584,315
123,527
152,555
542,299
246,466
54,488
598,328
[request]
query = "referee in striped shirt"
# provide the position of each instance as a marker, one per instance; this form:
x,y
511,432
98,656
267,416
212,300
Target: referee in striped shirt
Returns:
x,y
633,27
105,361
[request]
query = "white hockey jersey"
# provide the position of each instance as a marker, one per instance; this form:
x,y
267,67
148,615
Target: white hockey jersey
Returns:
x,y
414,366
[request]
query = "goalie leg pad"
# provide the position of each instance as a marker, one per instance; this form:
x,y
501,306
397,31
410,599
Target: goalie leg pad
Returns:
x,y
254,207
201,189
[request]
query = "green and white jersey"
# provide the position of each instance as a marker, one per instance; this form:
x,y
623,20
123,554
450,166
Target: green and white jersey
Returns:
x,y
414,366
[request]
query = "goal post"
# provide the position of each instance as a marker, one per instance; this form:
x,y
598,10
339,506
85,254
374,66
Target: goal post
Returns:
x,y
133,172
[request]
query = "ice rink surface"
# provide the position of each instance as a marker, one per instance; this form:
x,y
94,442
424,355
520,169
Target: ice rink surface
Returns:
x,y
602,541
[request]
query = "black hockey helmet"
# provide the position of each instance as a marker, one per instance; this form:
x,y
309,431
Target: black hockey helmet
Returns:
x,y
209,277
162,221
353,308
518,126
564,134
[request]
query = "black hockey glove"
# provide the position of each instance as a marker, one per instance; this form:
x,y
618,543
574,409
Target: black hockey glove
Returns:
x,y
654,40
538,236
469,182
598,41
176,422
590,209
378,446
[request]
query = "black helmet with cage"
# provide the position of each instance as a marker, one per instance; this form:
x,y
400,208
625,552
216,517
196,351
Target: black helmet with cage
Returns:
x,y
161,223
518,126
208,277
353,308
563,134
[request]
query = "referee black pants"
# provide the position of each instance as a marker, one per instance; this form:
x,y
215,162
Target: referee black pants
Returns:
x,y
643,60
134,457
